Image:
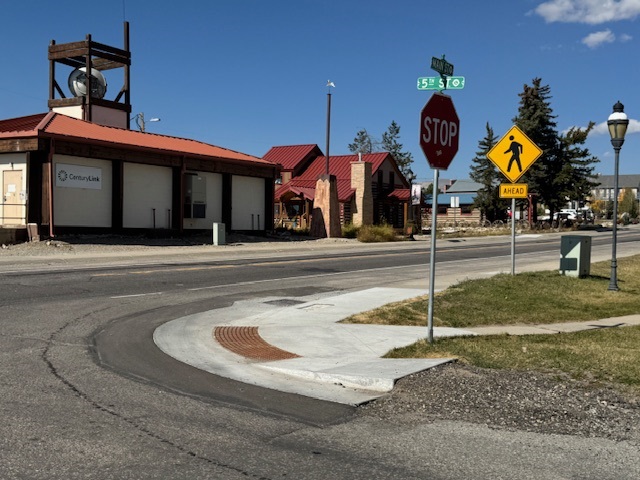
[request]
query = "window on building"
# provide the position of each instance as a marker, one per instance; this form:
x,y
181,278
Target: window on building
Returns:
x,y
195,196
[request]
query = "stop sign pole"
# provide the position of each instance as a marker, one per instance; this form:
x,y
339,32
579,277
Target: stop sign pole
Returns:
x,y
439,128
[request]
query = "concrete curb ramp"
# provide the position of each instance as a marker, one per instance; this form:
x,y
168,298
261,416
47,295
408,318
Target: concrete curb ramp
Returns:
x,y
296,346
299,348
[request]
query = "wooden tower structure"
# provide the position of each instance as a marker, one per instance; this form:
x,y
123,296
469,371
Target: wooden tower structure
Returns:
x,y
89,56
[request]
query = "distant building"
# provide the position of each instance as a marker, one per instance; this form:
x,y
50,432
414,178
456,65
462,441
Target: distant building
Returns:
x,y
463,186
604,190
371,188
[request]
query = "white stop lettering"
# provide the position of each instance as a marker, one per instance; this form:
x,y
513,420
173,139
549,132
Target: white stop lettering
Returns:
x,y
441,131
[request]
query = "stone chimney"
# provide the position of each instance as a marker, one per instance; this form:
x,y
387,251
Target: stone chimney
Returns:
x,y
325,217
362,211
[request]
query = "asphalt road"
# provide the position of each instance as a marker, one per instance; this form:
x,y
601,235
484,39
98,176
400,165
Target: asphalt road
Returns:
x,y
85,393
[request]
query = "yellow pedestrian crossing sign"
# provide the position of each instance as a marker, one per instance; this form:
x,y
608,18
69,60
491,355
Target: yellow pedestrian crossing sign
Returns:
x,y
514,154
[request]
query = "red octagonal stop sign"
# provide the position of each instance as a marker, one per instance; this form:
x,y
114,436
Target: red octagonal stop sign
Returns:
x,y
439,128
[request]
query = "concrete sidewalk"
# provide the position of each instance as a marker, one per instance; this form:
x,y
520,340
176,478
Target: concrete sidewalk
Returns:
x,y
297,346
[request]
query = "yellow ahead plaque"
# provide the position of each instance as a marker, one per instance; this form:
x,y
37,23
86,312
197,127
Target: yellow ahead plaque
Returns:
x,y
514,190
514,154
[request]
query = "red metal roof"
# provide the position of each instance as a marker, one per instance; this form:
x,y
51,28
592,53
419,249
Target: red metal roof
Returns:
x,y
307,192
61,126
345,192
291,155
339,166
401,194
21,124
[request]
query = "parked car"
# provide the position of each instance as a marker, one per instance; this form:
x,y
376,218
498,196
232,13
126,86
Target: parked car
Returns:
x,y
572,214
563,219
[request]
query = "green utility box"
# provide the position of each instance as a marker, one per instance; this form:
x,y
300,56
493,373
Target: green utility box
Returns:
x,y
575,255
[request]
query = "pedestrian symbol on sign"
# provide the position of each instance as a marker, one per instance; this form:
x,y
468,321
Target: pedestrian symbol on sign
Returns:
x,y
514,148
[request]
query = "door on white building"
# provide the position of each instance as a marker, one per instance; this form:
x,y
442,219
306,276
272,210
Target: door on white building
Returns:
x,y
13,205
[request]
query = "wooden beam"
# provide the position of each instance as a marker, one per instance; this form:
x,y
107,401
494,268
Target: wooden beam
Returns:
x,y
269,190
111,104
12,145
117,195
65,102
101,49
44,192
119,96
107,64
59,50
76,49
226,201
76,101
58,89
75,62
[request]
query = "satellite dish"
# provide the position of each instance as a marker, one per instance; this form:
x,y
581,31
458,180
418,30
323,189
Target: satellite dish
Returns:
x,y
78,83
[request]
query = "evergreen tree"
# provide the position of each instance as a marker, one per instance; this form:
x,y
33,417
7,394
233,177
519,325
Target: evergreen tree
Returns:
x,y
428,190
564,171
575,179
535,118
363,143
390,144
485,172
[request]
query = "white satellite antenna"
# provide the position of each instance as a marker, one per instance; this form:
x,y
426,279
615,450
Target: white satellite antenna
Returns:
x,y
78,83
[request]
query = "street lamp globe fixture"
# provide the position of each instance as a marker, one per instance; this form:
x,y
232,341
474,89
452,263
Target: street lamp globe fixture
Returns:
x,y
141,122
617,123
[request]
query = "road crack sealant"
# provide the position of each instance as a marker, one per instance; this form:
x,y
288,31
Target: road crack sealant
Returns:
x,y
46,358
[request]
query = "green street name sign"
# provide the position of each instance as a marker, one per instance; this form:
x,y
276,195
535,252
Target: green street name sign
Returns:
x,y
441,66
437,83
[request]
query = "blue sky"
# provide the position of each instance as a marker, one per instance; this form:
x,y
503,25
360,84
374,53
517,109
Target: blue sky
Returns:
x,y
249,75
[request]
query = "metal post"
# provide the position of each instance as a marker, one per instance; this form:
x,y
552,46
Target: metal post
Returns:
x,y
613,283
328,130
432,260
513,236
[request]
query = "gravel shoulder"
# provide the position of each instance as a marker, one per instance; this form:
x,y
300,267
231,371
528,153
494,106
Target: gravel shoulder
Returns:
x,y
511,400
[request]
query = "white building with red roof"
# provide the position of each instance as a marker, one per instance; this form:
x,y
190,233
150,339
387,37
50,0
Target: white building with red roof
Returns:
x,y
80,168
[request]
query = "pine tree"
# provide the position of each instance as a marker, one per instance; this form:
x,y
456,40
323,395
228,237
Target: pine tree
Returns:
x,y
564,171
535,118
485,172
363,143
575,179
390,144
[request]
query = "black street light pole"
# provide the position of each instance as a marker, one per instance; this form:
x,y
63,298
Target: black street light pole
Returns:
x,y
329,85
617,124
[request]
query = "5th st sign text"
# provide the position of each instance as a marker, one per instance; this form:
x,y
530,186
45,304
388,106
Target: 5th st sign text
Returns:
x,y
436,83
